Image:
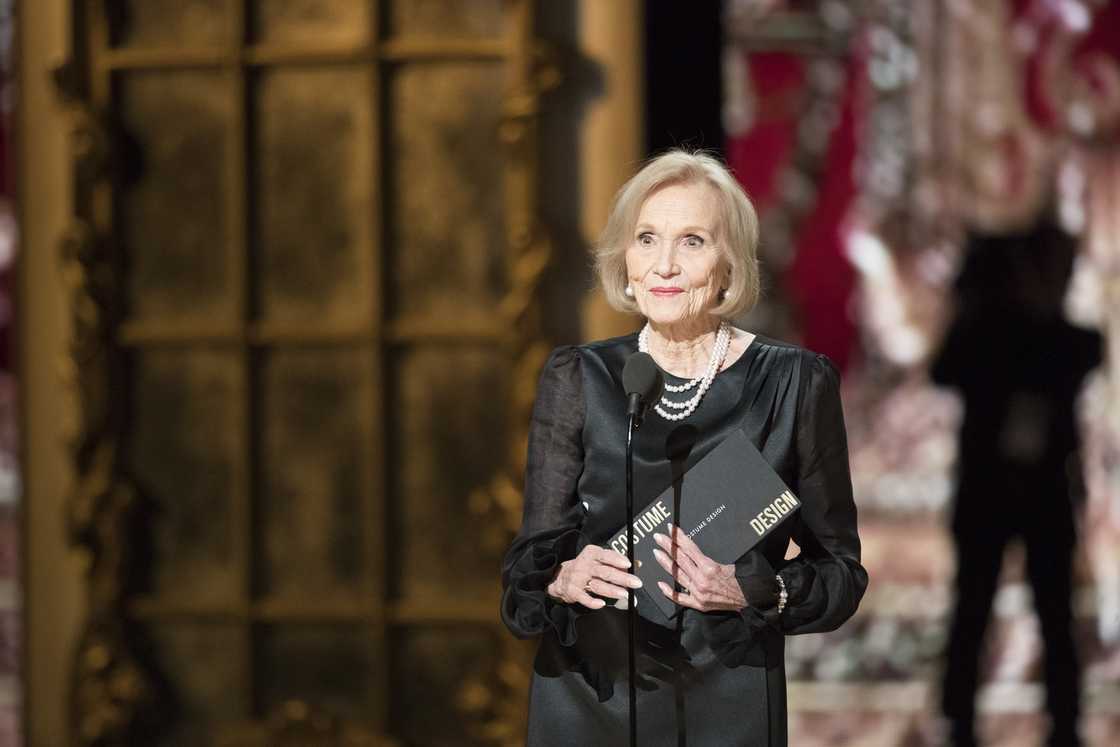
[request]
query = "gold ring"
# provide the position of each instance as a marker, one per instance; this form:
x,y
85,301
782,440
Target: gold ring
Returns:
x,y
587,586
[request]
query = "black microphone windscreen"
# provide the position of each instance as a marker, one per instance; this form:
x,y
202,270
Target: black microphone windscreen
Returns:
x,y
641,376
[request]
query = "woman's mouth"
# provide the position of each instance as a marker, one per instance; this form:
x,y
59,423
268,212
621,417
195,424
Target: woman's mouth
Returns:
x,y
666,291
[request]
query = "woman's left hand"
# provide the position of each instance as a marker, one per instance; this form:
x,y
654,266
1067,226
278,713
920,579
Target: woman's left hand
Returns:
x,y
709,586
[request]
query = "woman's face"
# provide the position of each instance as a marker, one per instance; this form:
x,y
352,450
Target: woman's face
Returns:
x,y
673,263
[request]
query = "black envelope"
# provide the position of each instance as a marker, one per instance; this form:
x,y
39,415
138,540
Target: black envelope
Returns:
x,y
729,501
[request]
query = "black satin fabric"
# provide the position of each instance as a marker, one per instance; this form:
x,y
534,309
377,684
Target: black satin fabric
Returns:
x,y
712,678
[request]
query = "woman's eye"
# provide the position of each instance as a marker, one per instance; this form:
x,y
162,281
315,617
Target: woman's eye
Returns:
x,y
693,241
645,239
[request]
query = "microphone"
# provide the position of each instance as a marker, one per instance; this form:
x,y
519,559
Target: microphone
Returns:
x,y
642,380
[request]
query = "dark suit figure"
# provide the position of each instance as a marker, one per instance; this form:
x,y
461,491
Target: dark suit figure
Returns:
x,y
1019,366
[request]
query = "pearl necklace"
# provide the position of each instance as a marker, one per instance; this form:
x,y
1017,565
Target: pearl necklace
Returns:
x,y
687,407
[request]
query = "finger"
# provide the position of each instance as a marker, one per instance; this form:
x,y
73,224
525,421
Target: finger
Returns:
x,y
684,600
590,602
604,589
676,553
613,559
693,551
688,546
678,572
618,578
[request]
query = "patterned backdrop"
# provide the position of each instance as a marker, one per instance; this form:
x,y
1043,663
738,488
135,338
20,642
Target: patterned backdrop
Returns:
x,y
872,135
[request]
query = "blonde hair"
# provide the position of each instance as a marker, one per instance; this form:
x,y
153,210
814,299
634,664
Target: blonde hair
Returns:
x,y
739,228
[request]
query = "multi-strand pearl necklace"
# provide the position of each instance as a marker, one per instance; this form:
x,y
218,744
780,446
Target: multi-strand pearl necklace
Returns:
x,y
687,407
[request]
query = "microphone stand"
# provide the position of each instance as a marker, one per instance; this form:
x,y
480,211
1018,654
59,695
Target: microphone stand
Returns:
x,y
641,379
631,609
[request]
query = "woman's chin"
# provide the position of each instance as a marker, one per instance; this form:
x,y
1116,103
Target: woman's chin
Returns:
x,y
669,317
671,311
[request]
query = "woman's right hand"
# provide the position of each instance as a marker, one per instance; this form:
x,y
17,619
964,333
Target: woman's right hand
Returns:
x,y
595,571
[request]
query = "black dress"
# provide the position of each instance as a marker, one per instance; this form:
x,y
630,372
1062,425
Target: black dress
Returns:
x,y
713,678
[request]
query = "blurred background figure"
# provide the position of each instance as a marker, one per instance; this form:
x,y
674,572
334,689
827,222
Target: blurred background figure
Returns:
x,y
1019,366
286,273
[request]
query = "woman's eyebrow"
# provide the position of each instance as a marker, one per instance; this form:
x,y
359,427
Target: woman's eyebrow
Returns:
x,y
687,229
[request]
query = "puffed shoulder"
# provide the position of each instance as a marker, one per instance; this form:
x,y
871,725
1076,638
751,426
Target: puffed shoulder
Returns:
x,y
563,360
789,354
816,364
561,384
562,369
822,366
820,378
811,374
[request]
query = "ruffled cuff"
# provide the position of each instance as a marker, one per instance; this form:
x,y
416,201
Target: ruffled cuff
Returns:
x,y
801,605
526,606
758,580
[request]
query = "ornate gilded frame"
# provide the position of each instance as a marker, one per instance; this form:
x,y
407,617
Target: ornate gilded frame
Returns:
x,y
110,689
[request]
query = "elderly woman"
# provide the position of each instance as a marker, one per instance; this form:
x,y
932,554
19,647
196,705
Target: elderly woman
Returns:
x,y
679,248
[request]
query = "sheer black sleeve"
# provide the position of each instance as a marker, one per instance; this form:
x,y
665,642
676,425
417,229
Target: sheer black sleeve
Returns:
x,y
826,581
552,516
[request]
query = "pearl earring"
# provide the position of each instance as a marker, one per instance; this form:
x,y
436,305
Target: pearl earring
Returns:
x,y
629,292
722,294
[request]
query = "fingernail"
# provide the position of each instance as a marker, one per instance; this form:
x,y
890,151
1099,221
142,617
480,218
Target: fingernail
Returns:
x,y
636,583
660,537
669,525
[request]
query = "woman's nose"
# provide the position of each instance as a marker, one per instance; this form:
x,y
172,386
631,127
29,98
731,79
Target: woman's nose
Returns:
x,y
666,261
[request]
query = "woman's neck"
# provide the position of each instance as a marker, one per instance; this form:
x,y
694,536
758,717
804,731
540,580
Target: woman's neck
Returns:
x,y
683,349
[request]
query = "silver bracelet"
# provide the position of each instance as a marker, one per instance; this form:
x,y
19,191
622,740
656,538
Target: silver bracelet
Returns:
x,y
783,597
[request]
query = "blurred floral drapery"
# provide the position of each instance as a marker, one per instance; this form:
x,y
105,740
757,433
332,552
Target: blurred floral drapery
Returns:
x,y
873,136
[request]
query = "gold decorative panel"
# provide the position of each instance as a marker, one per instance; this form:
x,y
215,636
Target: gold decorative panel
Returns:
x,y
431,668
449,416
178,128
313,163
204,665
469,18
303,269
178,23
317,433
311,21
338,664
185,412
446,221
